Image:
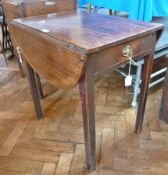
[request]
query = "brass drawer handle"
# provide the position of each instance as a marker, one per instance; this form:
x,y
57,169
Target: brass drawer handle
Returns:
x,y
127,51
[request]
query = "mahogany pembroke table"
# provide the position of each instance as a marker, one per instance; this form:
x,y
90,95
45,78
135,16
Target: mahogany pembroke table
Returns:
x,y
77,47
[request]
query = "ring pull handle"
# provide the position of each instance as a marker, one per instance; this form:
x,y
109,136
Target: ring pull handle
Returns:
x,y
127,51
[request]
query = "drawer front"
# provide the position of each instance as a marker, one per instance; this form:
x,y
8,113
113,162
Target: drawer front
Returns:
x,y
113,57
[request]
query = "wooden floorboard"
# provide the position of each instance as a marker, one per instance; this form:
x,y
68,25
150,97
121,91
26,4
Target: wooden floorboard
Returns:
x,y
55,144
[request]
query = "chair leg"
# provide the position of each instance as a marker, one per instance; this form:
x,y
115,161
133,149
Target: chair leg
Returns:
x,y
34,91
147,69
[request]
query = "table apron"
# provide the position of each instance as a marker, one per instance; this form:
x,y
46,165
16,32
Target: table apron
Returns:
x,y
113,57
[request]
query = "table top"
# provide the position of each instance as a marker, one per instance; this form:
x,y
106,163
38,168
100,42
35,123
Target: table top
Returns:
x,y
63,42
89,32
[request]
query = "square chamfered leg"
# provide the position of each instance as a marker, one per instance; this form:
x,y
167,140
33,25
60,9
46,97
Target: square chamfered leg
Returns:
x,y
146,72
39,85
34,91
86,86
163,114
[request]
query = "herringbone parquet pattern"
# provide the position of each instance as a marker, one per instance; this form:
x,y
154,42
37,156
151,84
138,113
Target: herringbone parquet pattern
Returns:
x,y
54,145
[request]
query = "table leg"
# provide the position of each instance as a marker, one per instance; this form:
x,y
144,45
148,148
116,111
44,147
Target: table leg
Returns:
x,y
34,91
163,115
146,72
87,95
39,86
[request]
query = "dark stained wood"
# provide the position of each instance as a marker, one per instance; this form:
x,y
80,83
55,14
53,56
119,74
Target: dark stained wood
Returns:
x,y
163,115
140,47
88,109
88,32
82,33
80,48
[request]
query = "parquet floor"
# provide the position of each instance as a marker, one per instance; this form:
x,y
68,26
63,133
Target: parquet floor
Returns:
x,y
54,145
